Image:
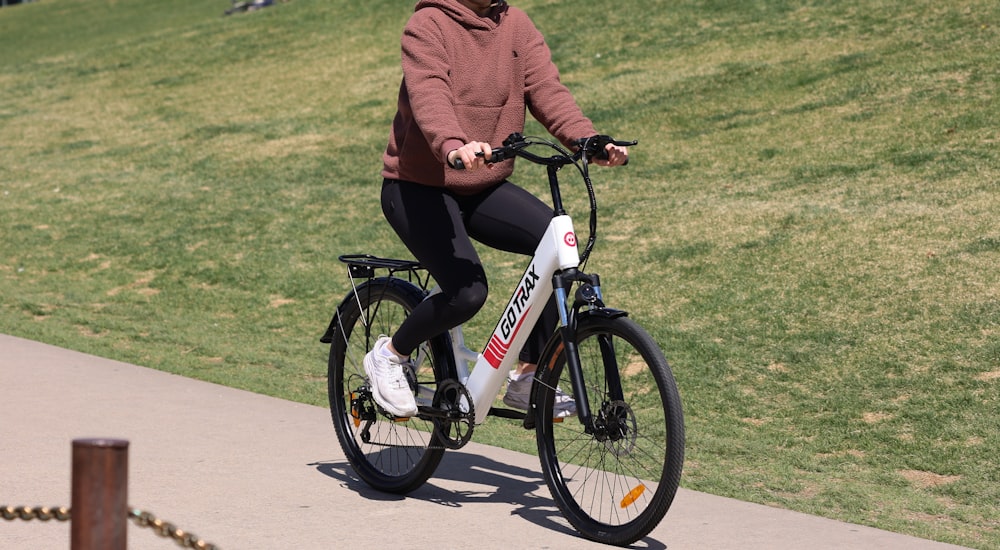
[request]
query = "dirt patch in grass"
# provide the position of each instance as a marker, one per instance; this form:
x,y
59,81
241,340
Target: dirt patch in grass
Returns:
x,y
926,480
989,376
875,417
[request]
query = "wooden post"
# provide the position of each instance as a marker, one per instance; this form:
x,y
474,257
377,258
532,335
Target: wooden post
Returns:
x,y
100,494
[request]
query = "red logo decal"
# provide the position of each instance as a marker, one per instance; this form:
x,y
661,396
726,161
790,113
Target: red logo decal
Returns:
x,y
495,351
570,239
496,348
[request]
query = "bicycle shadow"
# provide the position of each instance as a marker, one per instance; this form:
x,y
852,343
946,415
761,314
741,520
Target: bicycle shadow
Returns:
x,y
496,482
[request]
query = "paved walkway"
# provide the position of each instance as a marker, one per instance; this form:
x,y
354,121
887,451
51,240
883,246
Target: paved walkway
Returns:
x,y
247,472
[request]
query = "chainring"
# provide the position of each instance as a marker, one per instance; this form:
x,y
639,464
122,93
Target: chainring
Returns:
x,y
454,427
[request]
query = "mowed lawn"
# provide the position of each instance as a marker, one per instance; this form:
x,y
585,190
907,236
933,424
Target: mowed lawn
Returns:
x,y
808,226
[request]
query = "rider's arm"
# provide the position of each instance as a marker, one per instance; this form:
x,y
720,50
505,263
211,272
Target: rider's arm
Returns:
x,y
548,99
427,78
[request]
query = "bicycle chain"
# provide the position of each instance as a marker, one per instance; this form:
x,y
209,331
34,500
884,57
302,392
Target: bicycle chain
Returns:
x,y
142,519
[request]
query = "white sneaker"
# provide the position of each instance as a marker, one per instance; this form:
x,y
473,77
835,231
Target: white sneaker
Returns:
x,y
519,394
389,385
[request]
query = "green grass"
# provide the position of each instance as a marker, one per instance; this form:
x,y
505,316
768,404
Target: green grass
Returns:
x,y
808,225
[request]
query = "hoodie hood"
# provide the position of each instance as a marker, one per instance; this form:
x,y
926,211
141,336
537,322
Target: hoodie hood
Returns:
x,y
463,14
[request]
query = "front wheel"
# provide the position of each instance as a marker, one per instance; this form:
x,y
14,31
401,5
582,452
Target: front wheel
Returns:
x,y
615,482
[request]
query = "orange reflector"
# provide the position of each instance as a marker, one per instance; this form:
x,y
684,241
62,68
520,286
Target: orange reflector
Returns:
x,y
354,411
633,495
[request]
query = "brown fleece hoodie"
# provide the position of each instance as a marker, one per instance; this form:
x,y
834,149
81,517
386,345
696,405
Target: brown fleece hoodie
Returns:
x,y
470,78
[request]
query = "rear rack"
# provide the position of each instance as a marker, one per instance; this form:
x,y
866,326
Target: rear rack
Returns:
x,y
364,265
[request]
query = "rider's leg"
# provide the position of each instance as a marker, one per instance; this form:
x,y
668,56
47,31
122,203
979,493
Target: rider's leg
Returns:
x,y
437,226
428,221
512,219
524,367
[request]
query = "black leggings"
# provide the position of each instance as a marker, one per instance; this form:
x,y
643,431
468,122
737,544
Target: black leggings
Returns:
x,y
438,226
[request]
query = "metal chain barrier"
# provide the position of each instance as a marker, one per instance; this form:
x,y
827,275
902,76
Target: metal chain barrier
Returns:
x,y
169,530
142,519
41,513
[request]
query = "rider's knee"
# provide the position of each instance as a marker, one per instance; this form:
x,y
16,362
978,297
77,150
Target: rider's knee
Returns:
x,y
469,300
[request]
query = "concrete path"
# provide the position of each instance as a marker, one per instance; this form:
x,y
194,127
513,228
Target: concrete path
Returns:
x,y
246,471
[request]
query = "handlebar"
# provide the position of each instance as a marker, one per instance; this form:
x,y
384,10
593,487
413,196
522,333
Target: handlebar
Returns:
x,y
516,144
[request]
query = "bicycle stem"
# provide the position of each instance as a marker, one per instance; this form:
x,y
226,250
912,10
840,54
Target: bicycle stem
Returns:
x,y
557,204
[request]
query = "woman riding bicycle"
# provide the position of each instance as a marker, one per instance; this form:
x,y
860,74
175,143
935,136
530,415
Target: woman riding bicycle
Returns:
x,y
470,69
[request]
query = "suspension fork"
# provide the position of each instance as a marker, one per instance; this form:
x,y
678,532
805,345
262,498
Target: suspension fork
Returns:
x,y
561,283
611,373
588,295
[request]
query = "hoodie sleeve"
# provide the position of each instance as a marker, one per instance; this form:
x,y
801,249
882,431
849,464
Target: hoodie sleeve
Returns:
x,y
427,79
548,99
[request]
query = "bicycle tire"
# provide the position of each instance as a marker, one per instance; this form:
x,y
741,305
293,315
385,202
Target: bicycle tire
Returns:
x,y
398,456
614,491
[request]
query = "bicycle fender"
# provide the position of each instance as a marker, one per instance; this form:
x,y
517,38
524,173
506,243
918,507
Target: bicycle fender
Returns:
x,y
603,312
327,337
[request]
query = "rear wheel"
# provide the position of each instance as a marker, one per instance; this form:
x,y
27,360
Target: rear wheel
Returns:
x,y
390,454
613,485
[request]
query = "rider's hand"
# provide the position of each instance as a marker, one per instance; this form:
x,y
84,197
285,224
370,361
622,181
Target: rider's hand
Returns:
x,y
467,154
617,156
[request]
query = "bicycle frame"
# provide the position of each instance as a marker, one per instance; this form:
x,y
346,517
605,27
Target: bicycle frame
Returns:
x,y
556,251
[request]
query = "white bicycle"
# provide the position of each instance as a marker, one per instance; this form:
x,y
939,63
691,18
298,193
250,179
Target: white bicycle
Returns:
x,y
613,469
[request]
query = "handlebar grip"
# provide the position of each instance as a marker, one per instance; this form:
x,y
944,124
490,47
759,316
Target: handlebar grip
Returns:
x,y
603,153
497,156
459,165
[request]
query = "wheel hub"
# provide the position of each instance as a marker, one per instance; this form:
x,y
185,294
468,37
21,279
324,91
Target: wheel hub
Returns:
x,y
615,426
